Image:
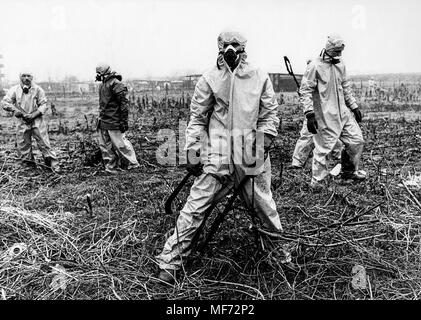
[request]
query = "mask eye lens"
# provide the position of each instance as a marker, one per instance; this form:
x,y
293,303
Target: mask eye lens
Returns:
x,y
234,44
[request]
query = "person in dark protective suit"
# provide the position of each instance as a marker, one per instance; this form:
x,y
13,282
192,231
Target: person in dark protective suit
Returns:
x,y
113,120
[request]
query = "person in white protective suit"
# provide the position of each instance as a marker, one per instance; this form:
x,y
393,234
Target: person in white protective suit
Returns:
x,y
28,103
338,115
233,111
305,143
372,85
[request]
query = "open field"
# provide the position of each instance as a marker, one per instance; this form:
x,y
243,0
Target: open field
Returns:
x,y
52,246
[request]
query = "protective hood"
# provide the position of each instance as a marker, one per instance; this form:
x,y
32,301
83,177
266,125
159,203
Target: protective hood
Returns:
x,y
334,42
230,37
103,68
227,38
25,71
113,74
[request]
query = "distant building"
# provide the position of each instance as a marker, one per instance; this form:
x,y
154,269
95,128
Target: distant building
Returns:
x,y
282,82
176,84
51,87
190,82
140,85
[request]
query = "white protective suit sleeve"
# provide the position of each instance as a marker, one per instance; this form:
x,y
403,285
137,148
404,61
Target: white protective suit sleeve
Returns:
x,y
201,104
9,100
268,121
308,86
41,100
348,95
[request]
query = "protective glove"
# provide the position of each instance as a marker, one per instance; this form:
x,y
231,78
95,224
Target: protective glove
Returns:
x,y
268,142
357,114
311,122
31,116
124,126
18,114
194,168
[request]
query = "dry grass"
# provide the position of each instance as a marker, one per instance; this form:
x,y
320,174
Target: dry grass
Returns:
x,y
65,251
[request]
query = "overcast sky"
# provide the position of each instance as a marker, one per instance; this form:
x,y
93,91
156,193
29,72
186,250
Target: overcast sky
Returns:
x,y
155,38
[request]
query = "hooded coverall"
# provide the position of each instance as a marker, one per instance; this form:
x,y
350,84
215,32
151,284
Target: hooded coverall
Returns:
x,y
113,110
334,118
305,145
35,99
229,109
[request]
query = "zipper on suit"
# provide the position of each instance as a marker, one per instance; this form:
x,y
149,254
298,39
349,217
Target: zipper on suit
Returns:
x,y
337,93
231,116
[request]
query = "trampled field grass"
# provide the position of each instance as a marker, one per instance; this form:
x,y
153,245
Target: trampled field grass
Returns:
x,y
358,241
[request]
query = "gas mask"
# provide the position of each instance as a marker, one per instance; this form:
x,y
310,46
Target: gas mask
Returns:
x,y
26,82
333,59
98,77
101,71
231,56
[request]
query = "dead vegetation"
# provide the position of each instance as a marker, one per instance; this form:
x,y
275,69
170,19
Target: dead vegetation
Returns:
x,y
82,234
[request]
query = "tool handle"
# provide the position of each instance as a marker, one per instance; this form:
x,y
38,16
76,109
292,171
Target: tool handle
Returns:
x,y
221,215
289,69
288,65
174,194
